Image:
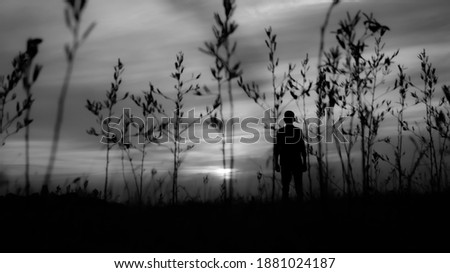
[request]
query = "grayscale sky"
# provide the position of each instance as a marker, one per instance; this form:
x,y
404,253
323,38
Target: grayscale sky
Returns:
x,y
147,34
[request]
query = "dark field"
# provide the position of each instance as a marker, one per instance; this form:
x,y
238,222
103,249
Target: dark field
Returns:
x,y
70,223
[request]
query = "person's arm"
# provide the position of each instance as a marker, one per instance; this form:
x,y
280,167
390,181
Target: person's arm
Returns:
x,y
303,148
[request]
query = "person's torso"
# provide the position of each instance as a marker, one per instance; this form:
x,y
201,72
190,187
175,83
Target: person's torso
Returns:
x,y
290,144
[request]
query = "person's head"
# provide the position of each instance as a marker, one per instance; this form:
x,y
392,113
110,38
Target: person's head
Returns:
x,y
289,117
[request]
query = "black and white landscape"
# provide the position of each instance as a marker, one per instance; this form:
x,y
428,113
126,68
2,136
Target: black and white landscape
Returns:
x,y
149,126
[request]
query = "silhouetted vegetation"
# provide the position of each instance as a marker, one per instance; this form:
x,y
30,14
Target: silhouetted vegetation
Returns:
x,y
149,107
22,70
72,15
361,208
279,90
225,72
103,110
179,124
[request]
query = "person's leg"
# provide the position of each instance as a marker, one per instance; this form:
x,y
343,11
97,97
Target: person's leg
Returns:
x,y
298,180
286,175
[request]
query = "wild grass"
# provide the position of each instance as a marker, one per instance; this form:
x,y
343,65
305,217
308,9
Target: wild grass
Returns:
x,y
226,71
23,70
150,108
351,81
73,15
279,89
177,128
104,112
29,78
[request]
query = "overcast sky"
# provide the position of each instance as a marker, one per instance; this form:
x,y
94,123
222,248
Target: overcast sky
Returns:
x,y
146,35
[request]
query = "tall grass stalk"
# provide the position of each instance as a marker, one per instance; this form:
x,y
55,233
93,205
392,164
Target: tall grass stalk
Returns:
x,y
223,51
175,133
149,107
217,72
353,85
97,109
300,90
125,145
305,87
8,97
321,105
426,97
24,71
72,14
28,80
402,84
279,88
404,175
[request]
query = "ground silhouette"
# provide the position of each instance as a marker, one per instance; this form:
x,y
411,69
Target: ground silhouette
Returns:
x,y
74,223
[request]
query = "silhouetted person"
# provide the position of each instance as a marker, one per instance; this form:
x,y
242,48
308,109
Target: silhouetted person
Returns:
x,y
291,151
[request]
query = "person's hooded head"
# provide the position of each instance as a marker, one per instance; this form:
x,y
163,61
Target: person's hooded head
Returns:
x,y
289,117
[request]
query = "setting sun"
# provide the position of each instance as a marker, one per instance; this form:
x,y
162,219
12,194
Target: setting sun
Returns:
x,y
223,172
